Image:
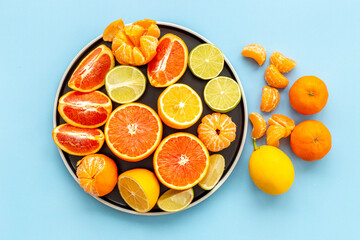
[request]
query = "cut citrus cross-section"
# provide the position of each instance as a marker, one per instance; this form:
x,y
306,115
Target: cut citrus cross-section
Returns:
x,y
170,62
133,131
90,73
181,161
86,110
179,106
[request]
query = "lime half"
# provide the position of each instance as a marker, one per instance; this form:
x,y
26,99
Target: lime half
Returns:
x,y
206,61
222,94
125,84
175,200
214,173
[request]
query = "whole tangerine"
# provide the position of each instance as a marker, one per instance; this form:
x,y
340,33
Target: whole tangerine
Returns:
x,y
308,95
310,140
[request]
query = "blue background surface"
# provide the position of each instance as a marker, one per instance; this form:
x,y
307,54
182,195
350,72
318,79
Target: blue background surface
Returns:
x,y
40,199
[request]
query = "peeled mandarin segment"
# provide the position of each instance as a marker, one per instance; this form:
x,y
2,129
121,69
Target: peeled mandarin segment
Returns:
x,y
256,52
97,174
282,120
113,28
259,125
78,141
153,30
270,99
274,134
274,78
217,131
281,62
148,45
134,32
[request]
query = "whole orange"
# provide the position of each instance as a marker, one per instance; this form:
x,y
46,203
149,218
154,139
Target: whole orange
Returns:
x,y
308,95
310,140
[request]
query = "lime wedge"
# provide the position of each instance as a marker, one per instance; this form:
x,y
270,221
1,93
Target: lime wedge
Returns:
x,y
214,173
206,61
175,200
222,94
125,84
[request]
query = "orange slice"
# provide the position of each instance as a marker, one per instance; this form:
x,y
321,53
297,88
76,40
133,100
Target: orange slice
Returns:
x,y
133,131
217,131
282,120
179,106
181,161
97,174
170,62
259,125
78,141
90,73
256,52
85,110
139,188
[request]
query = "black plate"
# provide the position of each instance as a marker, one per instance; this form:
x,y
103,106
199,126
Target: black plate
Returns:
x,y
238,115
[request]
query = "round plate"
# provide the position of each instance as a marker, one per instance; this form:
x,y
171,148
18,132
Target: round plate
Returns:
x,y
238,115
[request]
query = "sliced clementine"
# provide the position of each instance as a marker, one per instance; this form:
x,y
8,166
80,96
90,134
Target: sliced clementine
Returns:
x,y
86,110
181,161
217,131
170,62
259,125
97,174
256,52
133,131
90,73
78,141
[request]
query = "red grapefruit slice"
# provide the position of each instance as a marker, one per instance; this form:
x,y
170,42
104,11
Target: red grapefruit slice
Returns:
x,y
181,161
133,131
78,141
170,62
86,110
90,73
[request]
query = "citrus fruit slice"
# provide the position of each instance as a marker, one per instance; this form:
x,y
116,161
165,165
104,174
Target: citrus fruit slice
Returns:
x,y
170,62
90,73
256,52
274,78
179,106
222,94
85,110
217,131
259,125
125,84
175,200
181,161
206,61
282,120
133,44
273,134
133,131
139,188
78,141
214,173
97,174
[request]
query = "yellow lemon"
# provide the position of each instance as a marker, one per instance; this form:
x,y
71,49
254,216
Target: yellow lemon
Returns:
x,y
271,169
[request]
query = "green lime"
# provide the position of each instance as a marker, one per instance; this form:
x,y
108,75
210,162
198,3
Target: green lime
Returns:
x,y
206,61
222,94
125,84
214,173
175,200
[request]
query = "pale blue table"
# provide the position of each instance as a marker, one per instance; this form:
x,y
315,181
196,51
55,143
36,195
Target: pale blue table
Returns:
x,y
39,198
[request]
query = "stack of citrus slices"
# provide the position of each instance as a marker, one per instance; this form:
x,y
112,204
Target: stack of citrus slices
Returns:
x,y
133,131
